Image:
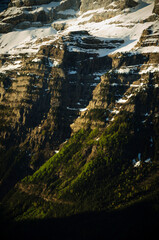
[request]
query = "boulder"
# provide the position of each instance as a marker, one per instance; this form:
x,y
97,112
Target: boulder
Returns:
x,y
5,27
59,26
128,4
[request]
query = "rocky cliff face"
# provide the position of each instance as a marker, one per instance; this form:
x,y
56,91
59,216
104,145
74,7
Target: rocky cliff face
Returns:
x,y
156,7
72,65
109,4
24,14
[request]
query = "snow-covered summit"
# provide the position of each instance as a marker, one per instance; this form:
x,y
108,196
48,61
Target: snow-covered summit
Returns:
x,y
23,26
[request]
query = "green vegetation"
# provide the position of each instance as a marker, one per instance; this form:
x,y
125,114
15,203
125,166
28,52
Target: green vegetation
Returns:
x,y
93,171
96,114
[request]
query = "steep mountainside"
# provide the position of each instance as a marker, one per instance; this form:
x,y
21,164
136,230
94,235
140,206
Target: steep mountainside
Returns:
x,y
79,85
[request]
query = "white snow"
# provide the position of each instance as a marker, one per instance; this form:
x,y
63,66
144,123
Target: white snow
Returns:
x,y
137,164
16,42
129,96
115,111
112,119
94,84
121,100
125,70
73,109
136,85
10,67
114,84
11,11
151,68
148,160
46,7
83,109
56,63
139,156
50,62
72,72
128,26
36,60
91,12
79,109
67,12
153,49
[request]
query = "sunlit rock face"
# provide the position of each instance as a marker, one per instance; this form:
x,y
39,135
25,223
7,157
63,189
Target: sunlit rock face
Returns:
x,y
63,64
111,4
156,7
27,13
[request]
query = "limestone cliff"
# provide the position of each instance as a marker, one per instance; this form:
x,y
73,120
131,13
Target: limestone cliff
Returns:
x,y
67,65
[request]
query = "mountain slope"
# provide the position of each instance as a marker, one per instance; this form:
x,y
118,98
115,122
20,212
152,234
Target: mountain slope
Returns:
x,y
79,86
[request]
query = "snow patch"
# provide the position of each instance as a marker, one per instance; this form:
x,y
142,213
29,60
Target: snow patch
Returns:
x,y
10,67
115,112
56,63
148,160
121,100
137,164
125,70
83,109
72,72
45,7
36,60
151,69
22,41
72,109
68,12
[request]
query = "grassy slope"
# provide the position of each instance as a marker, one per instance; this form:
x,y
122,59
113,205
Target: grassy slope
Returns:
x,y
90,174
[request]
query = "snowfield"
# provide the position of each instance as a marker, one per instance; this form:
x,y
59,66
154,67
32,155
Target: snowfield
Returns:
x,y
23,41
127,26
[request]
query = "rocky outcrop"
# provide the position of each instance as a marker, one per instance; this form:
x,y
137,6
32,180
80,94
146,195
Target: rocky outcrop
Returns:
x,y
128,4
53,86
149,37
89,5
111,4
131,74
107,9
25,14
69,4
156,7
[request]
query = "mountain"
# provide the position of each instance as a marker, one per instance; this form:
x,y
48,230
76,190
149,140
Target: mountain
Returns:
x,y
79,108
